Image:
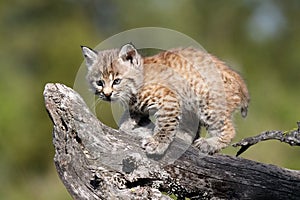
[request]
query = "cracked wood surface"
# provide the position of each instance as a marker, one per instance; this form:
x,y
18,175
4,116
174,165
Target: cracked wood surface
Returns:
x,y
97,162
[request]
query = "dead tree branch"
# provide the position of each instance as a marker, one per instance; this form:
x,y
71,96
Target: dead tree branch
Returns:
x,y
97,162
290,137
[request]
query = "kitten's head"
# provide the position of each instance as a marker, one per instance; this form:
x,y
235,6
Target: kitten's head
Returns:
x,y
114,74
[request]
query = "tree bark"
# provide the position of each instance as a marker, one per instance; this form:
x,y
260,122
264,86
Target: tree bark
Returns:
x,y
98,162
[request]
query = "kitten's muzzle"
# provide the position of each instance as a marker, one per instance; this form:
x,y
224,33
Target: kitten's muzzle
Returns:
x,y
107,96
107,92
104,96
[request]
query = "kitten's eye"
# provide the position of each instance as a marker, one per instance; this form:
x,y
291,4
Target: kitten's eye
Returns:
x,y
117,81
100,83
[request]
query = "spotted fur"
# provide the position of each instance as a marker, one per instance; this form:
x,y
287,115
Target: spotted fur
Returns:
x,y
167,86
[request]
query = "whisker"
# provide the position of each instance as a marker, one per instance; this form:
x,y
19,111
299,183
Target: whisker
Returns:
x,y
95,103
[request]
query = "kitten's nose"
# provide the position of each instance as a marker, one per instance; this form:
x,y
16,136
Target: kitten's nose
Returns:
x,y
107,96
107,92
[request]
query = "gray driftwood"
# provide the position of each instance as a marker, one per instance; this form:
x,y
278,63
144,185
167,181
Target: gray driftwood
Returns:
x,y
97,162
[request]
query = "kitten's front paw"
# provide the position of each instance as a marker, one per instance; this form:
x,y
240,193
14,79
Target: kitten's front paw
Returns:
x,y
154,147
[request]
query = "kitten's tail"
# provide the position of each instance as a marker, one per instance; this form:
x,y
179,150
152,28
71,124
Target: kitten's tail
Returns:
x,y
244,111
245,100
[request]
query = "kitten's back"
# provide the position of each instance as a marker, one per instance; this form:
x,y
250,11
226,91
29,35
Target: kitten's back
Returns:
x,y
195,65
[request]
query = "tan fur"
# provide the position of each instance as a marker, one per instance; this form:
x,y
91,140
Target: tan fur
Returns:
x,y
169,85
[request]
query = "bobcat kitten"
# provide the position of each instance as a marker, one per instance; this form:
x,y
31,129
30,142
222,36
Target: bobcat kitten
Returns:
x,y
169,85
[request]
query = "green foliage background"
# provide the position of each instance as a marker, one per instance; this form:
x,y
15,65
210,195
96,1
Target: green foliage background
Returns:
x,y
40,43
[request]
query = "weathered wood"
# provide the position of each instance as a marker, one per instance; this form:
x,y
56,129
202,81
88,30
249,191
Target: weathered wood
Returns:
x,y
97,162
290,137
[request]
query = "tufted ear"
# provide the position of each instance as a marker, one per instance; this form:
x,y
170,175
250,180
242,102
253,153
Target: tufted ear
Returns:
x,y
129,54
90,56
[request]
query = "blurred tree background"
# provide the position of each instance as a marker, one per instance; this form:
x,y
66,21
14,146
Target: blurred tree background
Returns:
x,y
40,43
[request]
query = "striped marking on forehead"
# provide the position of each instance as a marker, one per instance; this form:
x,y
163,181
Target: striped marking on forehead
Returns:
x,y
111,76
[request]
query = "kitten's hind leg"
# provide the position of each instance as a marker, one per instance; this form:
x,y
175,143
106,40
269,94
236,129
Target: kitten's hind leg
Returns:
x,y
221,133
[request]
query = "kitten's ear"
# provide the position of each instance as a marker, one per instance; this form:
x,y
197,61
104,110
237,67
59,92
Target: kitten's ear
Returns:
x,y
128,53
90,56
